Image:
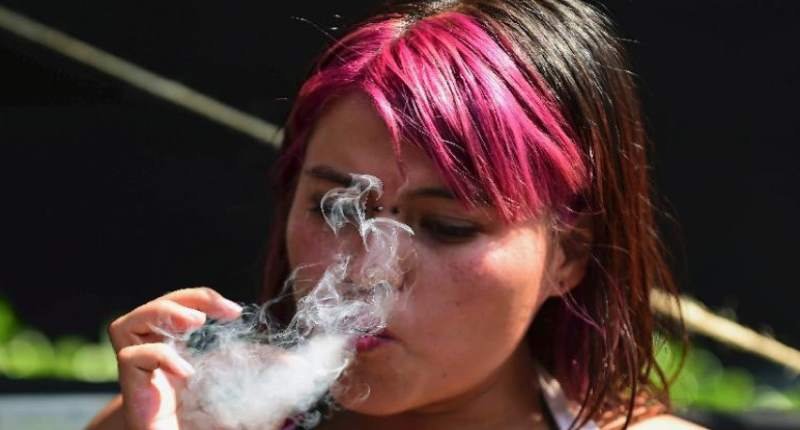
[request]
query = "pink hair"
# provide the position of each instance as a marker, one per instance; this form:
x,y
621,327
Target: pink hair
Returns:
x,y
449,86
457,79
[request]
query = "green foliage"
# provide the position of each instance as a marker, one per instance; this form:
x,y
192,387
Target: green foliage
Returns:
x,y
27,353
705,383
8,323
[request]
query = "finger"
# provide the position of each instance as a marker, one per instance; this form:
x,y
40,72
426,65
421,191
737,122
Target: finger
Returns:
x,y
137,362
150,375
140,325
206,300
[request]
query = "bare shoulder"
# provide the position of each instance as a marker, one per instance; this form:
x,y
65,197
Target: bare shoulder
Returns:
x,y
659,421
664,422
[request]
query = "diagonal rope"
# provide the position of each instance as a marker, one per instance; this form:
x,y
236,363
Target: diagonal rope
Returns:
x,y
697,318
139,77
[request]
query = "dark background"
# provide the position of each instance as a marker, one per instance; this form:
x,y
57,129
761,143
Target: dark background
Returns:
x,y
111,197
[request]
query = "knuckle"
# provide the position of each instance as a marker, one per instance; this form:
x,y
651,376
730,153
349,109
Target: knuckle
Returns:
x,y
126,355
208,292
161,309
114,328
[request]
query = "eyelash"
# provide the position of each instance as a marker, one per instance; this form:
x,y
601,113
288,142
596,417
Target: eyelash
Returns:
x,y
317,208
439,231
448,233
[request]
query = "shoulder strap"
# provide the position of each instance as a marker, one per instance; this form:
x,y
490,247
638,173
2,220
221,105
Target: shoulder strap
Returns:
x,y
561,409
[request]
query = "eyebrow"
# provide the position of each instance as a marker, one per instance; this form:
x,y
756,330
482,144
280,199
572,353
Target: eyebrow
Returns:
x,y
328,173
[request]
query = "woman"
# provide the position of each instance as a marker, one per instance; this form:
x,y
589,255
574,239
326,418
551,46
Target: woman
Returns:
x,y
508,136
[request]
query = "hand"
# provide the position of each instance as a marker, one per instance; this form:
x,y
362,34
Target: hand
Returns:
x,y
151,373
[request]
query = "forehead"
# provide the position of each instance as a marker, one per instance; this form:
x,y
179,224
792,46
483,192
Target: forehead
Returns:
x,y
351,137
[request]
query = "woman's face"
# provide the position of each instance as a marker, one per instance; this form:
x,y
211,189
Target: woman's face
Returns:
x,y
471,289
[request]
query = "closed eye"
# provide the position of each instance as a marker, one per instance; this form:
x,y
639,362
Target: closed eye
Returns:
x,y
449,231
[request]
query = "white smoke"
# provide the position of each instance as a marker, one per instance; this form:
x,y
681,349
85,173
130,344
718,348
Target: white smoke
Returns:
x,y
252,374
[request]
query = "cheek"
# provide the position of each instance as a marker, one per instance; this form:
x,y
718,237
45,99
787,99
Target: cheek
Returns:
x,y
516,269
480,296
309,242
306,250
508,275
475,301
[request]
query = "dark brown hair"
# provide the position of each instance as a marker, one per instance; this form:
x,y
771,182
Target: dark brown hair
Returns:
x,y
581,135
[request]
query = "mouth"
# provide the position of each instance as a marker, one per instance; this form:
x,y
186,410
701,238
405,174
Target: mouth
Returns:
x,y
369,342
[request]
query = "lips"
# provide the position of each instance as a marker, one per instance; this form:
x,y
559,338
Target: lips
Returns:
x,y
370,342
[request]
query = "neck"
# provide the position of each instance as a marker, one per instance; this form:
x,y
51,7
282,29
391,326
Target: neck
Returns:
x,y
508,399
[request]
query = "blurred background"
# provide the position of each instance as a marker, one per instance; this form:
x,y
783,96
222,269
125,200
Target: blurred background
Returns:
x,y
111,197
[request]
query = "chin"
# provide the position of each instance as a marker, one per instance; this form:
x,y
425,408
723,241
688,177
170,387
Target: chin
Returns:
x,y
371,396
371,406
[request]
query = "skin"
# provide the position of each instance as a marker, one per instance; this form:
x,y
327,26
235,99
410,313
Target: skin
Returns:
x,y
150,374
457,354
471,288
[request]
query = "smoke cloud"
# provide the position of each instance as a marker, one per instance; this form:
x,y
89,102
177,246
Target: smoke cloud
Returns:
x,y
253,373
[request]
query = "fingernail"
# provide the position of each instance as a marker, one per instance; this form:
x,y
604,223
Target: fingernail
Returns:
x,y
233,307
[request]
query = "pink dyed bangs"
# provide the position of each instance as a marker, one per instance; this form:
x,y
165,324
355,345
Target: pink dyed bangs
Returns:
x,y
456,90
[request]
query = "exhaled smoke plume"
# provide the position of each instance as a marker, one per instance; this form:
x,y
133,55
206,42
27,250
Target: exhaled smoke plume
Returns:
x,y
252,374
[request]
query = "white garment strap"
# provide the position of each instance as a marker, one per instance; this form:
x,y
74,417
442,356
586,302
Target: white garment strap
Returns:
x,y
563,411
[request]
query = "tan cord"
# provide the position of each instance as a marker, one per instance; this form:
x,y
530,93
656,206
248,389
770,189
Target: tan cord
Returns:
x,y
145,80
700,320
